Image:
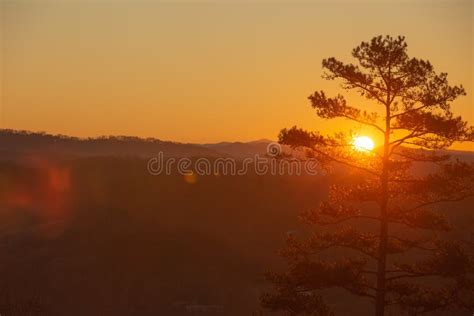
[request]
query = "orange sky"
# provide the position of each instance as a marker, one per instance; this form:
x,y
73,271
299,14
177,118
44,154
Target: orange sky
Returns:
x,y
196,71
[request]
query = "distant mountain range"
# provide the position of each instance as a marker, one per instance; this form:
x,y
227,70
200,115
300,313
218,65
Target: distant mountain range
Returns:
x,y
240,150
16,144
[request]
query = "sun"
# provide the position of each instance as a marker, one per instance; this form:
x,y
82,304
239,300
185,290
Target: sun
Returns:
x,y
363,143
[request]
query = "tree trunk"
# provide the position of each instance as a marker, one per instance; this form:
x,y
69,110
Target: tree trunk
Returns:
x,y
382,254
382,251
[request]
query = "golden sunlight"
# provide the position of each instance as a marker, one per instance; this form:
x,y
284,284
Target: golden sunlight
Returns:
x,y
363,143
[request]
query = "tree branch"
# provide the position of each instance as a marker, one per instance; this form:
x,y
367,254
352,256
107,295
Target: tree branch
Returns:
x,y
411,110
346,163
365,123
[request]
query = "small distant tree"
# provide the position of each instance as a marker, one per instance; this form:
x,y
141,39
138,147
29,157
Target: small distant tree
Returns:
x,y
395,250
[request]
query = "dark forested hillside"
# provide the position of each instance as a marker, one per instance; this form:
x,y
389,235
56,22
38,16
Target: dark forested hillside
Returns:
x,y
102,236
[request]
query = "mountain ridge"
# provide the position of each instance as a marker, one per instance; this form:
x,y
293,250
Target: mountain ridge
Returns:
x,y
15,143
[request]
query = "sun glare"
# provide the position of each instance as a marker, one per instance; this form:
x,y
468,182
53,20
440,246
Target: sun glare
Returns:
x,y
363,143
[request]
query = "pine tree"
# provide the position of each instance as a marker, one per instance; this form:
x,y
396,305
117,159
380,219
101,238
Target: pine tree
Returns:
x,y
395,237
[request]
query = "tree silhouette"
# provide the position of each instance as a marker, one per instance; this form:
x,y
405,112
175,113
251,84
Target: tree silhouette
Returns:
x,y
396,248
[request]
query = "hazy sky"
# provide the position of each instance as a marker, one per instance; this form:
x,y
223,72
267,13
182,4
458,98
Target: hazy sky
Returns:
x,y
198,71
